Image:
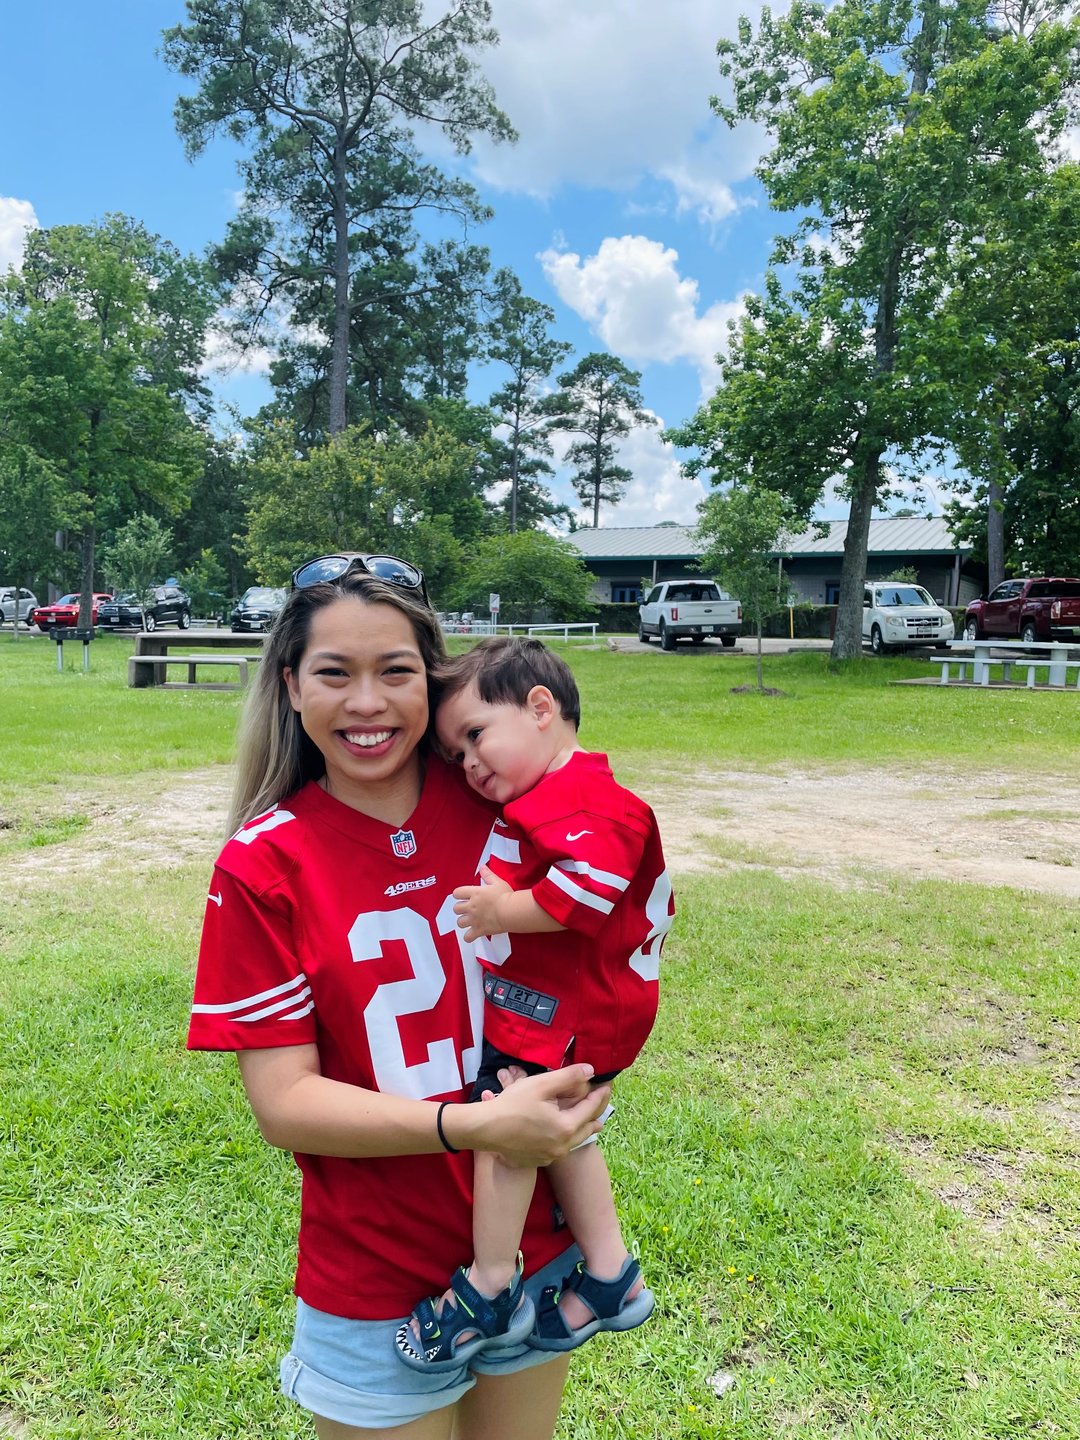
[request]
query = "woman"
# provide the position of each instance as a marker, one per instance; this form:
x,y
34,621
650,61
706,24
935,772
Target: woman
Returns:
x,y
331,962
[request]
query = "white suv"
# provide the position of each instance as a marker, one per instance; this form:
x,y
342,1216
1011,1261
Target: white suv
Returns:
x,y
897,613
27,602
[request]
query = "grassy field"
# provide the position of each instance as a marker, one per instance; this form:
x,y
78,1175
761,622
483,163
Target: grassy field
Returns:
x,y
849,1158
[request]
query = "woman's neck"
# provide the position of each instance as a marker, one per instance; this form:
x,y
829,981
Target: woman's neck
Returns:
x,y
392,800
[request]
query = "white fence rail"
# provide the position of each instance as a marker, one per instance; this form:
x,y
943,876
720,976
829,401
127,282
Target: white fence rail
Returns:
x,y
489,627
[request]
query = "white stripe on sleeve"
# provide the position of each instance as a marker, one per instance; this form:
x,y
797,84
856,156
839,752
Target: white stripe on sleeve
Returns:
x,y
602,877
292,985
578,893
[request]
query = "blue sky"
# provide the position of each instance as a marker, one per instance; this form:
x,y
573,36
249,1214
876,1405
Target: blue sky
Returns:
x,y
625,205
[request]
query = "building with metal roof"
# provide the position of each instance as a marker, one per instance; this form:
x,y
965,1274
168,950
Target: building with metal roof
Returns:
x,y
623,557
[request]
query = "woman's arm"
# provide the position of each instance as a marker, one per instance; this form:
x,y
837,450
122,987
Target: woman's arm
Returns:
x,y
298,1108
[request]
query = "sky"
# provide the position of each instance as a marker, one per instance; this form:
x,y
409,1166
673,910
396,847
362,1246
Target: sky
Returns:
x,y
625,205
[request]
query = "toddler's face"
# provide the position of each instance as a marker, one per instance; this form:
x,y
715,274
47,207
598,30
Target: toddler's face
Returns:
x,y
504,749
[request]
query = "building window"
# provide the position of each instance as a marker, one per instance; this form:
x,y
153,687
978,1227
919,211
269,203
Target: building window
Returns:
x,y
832,594
625,593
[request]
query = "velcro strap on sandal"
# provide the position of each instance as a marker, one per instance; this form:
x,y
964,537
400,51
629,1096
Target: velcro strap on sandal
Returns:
x,y
477,1306
605,1298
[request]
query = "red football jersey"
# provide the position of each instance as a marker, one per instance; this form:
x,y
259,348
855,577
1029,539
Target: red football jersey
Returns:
x,y
325,926
589,850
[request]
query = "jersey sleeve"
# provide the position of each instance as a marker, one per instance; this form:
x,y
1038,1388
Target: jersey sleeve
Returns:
x,y
591,861
251,992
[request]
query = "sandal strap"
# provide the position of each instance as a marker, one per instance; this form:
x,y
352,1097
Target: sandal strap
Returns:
x,y
605,1298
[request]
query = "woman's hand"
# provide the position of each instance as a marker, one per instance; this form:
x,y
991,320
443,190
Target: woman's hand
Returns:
x,y
536,1120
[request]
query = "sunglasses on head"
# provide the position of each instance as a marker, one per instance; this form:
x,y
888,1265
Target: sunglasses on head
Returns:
x,y
383,567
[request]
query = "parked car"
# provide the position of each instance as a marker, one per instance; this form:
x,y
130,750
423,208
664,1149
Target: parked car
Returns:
x,y
257,608
65,612
169,606
897,614
1041,607
27,602
688,609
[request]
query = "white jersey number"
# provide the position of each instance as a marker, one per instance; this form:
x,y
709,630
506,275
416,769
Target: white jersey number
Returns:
x,y
646,958
440,1072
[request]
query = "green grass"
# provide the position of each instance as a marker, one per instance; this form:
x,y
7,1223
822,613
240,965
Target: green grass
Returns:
x,y
849,1158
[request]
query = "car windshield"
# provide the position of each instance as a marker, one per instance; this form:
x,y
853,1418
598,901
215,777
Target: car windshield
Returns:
x,y
68,600
263,595
902,595
126,599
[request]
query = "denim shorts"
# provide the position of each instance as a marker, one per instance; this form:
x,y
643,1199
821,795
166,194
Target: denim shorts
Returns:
x,y
349,1371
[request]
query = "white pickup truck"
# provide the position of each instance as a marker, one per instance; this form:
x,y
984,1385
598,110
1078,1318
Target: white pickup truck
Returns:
x,y
688,610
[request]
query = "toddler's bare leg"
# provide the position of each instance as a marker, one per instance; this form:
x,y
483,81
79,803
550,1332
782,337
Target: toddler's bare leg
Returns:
x,y
501,1197
582,1187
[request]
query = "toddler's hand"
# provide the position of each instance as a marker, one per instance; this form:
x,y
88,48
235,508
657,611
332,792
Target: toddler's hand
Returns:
x,y
477,906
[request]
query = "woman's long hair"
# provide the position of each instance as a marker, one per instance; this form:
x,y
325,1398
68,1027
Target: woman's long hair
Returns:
x,y
275,757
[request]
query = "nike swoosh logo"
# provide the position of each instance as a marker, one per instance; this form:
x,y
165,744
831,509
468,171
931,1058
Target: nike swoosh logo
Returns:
x,y
216,898
578,836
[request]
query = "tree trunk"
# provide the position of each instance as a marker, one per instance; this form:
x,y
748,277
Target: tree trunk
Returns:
x,y
995,536
86,598
339,352
515,452
847,641
760,672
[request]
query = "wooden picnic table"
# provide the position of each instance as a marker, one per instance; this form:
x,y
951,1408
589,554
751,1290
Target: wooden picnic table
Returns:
x,y
162,642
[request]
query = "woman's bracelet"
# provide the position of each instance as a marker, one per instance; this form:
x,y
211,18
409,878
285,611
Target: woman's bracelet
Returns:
x,y
442,1134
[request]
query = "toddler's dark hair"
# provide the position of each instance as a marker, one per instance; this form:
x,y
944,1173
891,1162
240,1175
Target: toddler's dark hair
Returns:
x,y
504,669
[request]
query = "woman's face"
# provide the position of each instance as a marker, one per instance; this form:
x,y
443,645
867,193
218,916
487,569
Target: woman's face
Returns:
x,y
361,693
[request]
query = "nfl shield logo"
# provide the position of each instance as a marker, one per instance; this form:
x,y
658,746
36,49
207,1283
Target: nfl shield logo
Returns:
x,y
404,843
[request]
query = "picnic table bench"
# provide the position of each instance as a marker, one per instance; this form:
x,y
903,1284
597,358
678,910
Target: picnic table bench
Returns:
x,y
137,676
155,645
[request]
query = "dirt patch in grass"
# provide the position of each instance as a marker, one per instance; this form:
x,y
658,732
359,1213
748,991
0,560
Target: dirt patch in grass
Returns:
x,y
12,1427
875,823
854,828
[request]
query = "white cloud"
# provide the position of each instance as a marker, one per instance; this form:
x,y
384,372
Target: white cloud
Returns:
x,y
632,295
222,356
17,218
659,490
604,94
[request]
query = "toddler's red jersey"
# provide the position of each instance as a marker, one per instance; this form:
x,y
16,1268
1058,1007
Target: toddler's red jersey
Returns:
x,y
326,927
589,850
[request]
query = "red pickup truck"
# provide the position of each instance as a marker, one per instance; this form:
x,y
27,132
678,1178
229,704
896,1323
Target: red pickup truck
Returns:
x,y
1042,608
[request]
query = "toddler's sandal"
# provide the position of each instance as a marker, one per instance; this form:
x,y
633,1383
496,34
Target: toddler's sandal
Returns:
x,y
491,1324
607,1299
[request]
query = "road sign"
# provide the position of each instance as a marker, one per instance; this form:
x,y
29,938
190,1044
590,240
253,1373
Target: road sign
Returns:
x,y
493,603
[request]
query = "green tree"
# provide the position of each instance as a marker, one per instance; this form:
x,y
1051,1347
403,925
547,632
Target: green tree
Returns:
x,y
138,558
599,399
740,530
391,493
90,380
328,96
31,512
207,584
529,570
519,339
1017,430
898,130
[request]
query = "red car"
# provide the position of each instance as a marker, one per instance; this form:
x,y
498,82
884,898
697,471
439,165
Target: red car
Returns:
x,y
64,612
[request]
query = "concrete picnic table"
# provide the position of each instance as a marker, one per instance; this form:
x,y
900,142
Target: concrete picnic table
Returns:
x,y
983,655
160,642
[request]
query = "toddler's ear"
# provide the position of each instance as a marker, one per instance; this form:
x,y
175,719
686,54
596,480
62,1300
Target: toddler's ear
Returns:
x,y
542,705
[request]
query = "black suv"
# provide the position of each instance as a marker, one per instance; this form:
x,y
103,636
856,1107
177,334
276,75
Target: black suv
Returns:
x,y
169,606
257,608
